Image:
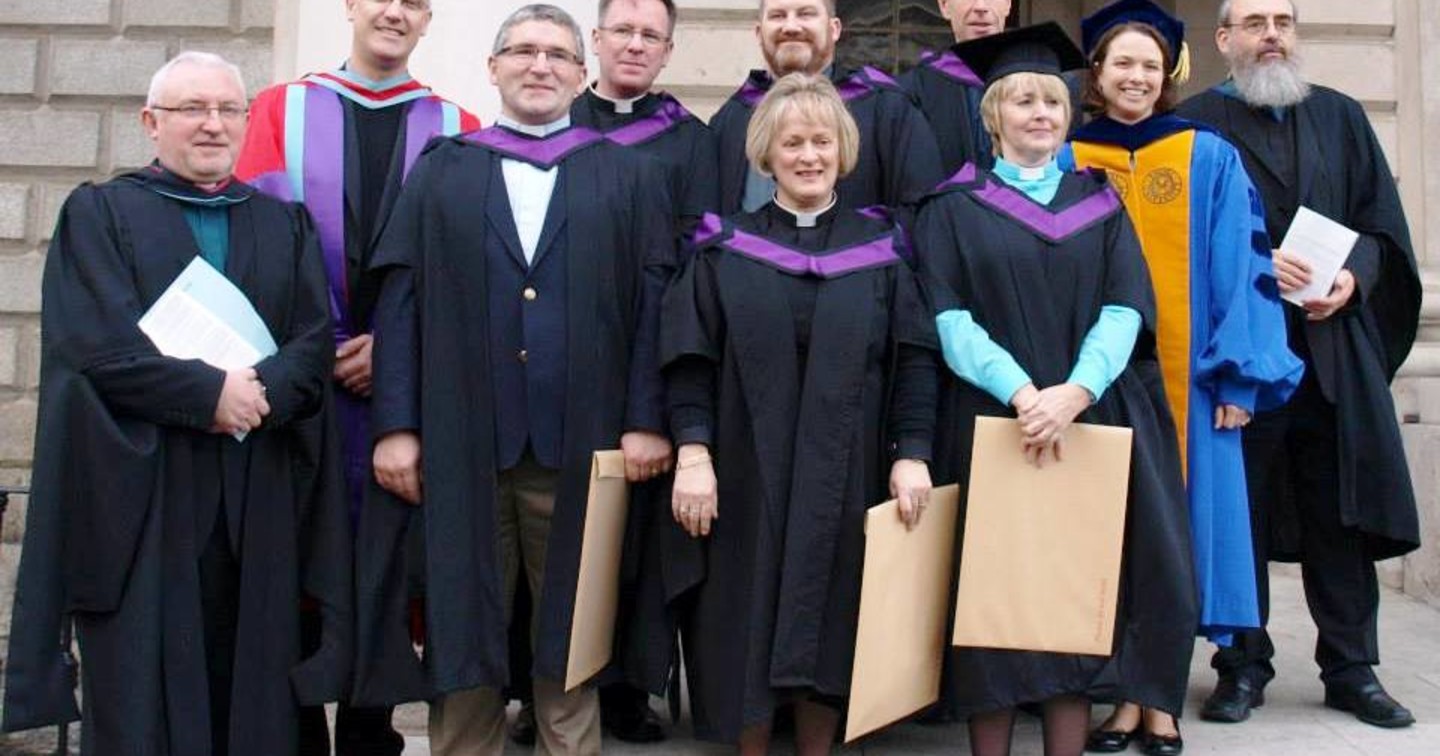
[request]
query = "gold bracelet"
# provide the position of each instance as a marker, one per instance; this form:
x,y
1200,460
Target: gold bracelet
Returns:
x,y
693,461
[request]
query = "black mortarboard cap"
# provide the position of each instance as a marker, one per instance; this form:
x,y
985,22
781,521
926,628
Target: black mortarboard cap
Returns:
x,y
1042,48
1093,27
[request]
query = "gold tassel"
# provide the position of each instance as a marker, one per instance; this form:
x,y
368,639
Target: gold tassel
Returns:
x,y
1181,74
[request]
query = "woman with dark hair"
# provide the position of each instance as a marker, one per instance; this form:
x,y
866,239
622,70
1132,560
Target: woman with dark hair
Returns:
x,y
799,362
1220,331
1045,314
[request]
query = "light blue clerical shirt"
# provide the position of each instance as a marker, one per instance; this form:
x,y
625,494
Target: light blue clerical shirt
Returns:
x,y
979,361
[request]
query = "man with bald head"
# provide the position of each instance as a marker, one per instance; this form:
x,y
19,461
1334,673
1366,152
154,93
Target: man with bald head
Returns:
x,y
180,509
948,92
1328,482
899,161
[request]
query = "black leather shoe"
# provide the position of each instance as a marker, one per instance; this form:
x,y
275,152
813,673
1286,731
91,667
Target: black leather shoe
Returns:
x,y
1370,704
1108,741
1164,745
522,730
1234,697
631,720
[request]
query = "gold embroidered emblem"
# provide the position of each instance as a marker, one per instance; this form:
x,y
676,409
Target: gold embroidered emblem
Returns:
x,y
1162,186
1120,183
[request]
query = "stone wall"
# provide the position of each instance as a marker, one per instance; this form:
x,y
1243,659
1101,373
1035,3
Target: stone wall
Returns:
x,y
73,75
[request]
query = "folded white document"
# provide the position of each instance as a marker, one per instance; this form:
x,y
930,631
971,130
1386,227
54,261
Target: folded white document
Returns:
x,y
1325,245
203,316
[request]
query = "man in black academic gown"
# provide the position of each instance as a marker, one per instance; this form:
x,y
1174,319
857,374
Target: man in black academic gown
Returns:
x,y
1327,476
364,125
632,45
181,511
948,92
899,162
515,335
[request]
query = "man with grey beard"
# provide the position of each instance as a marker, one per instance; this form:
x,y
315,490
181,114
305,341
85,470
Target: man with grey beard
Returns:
x,y
1328,483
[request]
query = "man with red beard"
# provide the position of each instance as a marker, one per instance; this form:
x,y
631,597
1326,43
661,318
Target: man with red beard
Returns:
x,y
1328,483
949,92
899,161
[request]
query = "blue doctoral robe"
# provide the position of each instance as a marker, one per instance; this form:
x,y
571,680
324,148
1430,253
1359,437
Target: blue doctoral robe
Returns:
x,y
1238,352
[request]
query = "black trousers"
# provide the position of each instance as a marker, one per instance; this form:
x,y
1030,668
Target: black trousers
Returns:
x,y
220,607
1292,452
359,731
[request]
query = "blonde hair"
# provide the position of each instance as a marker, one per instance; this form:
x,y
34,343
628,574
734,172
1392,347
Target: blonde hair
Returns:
x,y
811,98
1046,85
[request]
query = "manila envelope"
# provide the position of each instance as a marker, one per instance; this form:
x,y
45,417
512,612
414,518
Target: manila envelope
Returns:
x,y
592,632
904,599
1040,563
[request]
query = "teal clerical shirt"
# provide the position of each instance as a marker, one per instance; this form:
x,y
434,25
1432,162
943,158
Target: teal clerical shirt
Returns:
x,y
211,226
206,211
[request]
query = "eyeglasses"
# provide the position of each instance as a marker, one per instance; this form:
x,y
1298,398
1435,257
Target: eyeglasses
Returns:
x,y
1256,26
622,35
229,113
528,54
409,5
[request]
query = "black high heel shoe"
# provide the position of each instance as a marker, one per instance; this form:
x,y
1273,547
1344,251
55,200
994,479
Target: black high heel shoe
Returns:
x,y
1108,741
1164,745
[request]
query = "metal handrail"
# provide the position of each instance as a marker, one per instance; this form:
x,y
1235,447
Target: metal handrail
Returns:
x,y
62,731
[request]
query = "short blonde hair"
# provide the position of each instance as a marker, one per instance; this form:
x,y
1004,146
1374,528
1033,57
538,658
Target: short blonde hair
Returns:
x,y
811,98
1045,85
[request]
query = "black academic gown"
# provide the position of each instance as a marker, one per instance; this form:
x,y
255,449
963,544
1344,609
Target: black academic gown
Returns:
x,y
129,481
1035,277
658,126
432,352
1342,174
783,346
948,93
899,162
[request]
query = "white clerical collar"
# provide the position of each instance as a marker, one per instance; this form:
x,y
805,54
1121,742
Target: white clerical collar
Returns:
x,y
1029,173
622,106
538,130
807,219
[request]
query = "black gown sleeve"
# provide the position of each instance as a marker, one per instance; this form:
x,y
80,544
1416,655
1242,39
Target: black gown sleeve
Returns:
x,y
938,257
654,236
702,189
1364,264
92,315
1127,277
914,398
295,377
692,330
395,383
908,148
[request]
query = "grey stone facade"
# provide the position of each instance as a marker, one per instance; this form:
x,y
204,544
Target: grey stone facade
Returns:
x,y
73,75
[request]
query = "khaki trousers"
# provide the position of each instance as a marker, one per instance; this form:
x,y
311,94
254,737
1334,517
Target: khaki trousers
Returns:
x,y
472,722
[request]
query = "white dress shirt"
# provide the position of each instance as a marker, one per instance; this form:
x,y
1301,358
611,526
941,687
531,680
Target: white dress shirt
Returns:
x,y
529,187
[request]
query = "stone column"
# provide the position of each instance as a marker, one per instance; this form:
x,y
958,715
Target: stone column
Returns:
x,y
1418,387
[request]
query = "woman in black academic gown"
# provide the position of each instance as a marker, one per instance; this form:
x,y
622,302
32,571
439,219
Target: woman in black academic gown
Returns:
x,y
800,370
1045,313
